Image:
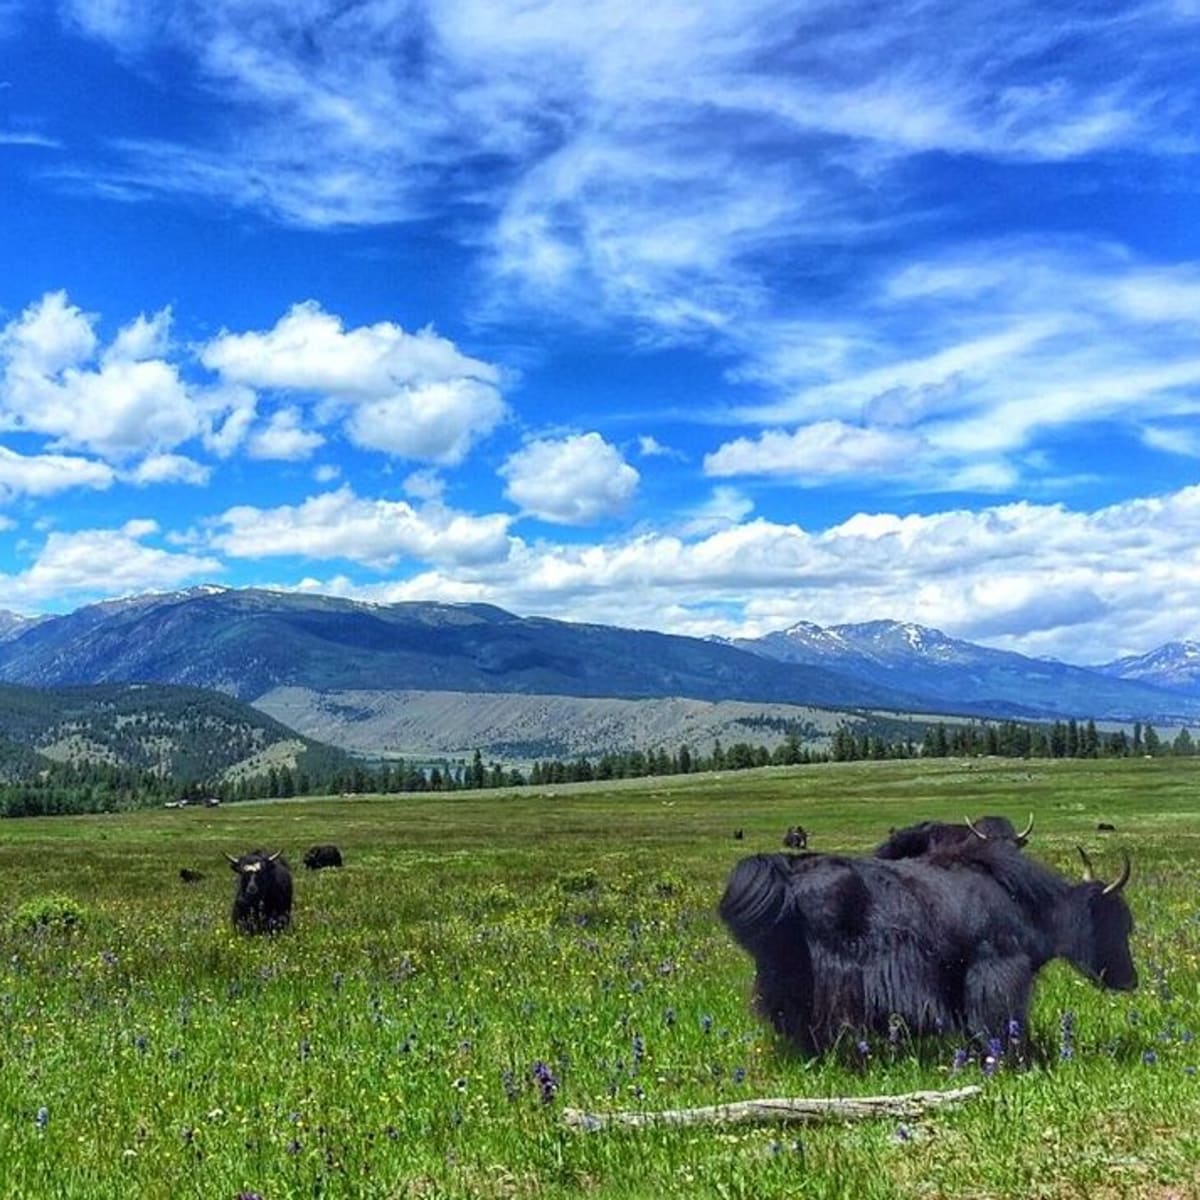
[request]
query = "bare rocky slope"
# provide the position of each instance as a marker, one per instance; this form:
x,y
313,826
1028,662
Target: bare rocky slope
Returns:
x,y
516,727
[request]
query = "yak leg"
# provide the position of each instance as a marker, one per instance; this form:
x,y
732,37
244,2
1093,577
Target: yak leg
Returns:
x,y
997,992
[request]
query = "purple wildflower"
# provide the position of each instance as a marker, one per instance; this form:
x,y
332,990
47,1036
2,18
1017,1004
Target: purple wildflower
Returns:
x,y
544,1078
902,1134
1149,1057
961,1057
42,1118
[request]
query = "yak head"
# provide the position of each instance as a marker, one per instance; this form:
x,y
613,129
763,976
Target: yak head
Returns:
x,y
999,829
1096,929
253,870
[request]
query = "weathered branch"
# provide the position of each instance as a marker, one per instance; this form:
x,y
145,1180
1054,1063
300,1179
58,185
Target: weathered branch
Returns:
x,y
779,1111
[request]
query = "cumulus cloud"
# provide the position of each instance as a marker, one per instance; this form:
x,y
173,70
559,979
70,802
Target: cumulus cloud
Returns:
x,y
575,480
91,564
413,395
167,468
1041,579
48,474
377,533
120,402
283,437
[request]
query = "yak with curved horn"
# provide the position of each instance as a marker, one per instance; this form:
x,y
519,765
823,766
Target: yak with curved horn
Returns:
x,y
948,942
915,840
263,901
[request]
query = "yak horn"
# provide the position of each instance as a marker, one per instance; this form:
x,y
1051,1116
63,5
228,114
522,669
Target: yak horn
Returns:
x,y
983,837
1023,836
1088,874
232,861
273,857
1122,879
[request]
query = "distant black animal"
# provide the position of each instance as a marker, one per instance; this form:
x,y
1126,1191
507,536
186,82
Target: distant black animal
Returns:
x,y
951,941
263,903
915,840
317,857
188,875
738,835
1105,827
796,837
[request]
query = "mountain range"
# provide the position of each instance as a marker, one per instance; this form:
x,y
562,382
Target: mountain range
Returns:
x,y
251,644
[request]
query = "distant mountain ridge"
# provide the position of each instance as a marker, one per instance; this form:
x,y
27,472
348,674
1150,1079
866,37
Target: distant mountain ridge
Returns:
x,y
958,676
250,642
1174,665
247,642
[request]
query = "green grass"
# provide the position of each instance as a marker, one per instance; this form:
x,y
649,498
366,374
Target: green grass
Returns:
x,y
384,1047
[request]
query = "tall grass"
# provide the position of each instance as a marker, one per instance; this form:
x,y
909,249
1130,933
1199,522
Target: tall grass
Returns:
x,y
484,960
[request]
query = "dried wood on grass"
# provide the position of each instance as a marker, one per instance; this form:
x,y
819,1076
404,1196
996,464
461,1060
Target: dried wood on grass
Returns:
x,y
779,1111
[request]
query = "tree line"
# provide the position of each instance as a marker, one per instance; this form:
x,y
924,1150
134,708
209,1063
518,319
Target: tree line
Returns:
x,y
63,788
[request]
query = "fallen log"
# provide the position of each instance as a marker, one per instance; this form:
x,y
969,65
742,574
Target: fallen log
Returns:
x,y
798,1110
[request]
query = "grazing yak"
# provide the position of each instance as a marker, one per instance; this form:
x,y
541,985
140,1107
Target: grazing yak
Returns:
x,y
914,840
796,837
948,942
263,903
317,857
190,875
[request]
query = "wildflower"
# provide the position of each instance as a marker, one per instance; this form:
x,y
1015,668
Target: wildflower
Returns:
x,y
863,1047
991,1060
639,1048
544,1078
706,1024
338,979
961,1057
902,1134
293,1147
669,1017
739,1074
42,1119
305,1048
508,1081
1149,1057
140,1043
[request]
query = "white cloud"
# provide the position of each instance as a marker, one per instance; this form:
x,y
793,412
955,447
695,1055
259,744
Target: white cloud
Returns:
x,y
378,533
167,468
96,563
576,480
283,437
49,474
1173,440
815,453
125,405
1042,579
414,395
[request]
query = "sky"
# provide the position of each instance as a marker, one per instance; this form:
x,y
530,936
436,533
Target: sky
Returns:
x,y
701,318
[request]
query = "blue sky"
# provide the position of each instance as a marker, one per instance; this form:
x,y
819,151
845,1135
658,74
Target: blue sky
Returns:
x,y
707,322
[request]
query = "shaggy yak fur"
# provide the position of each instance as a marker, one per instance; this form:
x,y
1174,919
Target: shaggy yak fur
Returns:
x,y
915,840
316,857
948,942
263,903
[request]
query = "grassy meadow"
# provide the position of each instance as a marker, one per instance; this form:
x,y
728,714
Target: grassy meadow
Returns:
x,y
486,959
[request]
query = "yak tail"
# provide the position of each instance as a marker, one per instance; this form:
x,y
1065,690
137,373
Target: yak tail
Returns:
x,y
757,898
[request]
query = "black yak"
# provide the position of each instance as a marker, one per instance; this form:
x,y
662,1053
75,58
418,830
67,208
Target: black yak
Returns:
x,y
796,837
949,942
263,903
1105,827
914,840
317,857
190,875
